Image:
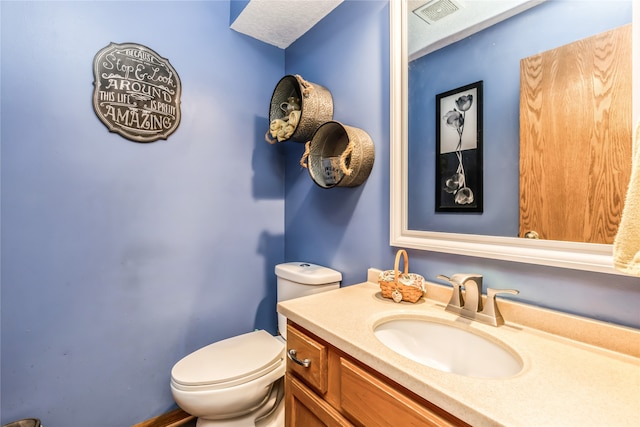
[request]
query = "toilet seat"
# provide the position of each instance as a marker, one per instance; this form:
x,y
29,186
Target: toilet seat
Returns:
x,y
230,362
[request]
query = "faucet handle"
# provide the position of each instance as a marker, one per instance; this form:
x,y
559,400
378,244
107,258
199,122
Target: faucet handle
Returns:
x,y
443,277
491,293
456,296
491,306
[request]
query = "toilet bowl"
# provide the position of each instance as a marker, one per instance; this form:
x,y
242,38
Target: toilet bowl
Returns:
x,y
238,382
225,383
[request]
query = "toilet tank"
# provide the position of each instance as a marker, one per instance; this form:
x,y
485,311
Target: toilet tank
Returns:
x,y
298,279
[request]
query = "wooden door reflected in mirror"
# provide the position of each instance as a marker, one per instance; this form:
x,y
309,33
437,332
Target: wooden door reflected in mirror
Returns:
x,y
575,138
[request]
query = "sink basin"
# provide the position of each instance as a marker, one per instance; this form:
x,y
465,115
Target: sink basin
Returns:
x,y
448,348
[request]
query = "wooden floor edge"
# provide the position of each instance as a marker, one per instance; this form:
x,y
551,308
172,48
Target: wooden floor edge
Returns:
x,y
175,418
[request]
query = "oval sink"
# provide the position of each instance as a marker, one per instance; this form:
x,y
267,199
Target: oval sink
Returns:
x,y
448,348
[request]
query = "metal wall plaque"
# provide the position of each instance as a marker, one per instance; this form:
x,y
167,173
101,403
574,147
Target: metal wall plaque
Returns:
x,y
136,92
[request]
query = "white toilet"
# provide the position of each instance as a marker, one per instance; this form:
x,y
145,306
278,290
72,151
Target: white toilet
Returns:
x,y
238,382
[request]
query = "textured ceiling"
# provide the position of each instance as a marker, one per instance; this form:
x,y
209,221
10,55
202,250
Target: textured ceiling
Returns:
x,y
281,22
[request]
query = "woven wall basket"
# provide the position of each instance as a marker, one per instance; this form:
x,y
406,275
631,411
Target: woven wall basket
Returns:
x,y
316,106
350,149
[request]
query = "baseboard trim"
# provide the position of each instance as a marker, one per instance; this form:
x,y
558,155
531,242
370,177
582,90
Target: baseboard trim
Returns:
x,y
175,418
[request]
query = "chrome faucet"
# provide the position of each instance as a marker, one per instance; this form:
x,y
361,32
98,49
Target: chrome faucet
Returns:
x,y
470,305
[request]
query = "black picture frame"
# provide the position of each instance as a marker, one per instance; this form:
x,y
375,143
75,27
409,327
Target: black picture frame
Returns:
x,y
459,167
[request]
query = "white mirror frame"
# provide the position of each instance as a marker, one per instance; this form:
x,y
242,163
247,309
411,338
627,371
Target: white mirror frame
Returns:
x,y
573,255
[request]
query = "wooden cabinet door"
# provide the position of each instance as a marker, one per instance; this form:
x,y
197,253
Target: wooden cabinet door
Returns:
x,y
351,394
305,409
370,402
576,138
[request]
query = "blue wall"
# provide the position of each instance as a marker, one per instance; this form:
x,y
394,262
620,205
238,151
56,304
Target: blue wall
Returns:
x,y
344,228
348,228
120,258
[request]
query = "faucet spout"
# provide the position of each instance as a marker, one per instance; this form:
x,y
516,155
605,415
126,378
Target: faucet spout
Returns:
x,y
472,284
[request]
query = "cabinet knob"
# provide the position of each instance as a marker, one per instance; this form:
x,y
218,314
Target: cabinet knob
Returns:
x,y
292,355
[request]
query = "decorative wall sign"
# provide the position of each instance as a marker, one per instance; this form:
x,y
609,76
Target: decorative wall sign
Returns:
x,y
136,92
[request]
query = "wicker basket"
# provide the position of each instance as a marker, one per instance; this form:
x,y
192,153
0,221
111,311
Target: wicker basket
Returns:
x,y
316,107
401,286
339,155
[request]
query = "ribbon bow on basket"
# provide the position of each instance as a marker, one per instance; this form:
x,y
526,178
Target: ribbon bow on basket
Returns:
x,y
401,286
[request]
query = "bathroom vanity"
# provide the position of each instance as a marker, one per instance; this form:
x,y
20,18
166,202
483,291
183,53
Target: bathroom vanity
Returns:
x,y
575,371
337,390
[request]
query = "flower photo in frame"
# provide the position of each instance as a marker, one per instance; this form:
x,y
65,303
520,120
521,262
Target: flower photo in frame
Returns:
x,y
459,149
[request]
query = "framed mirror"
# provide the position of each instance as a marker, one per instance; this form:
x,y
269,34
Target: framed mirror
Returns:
x,y
564,254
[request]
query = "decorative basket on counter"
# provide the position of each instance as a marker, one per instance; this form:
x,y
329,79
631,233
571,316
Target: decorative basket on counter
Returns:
x,y
403,286
338,155
297,109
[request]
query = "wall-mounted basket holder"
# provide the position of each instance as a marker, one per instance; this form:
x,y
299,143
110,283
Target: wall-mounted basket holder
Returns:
x,y
314,107
338,155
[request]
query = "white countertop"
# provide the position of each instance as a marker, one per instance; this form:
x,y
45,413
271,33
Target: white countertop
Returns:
x,y
563,382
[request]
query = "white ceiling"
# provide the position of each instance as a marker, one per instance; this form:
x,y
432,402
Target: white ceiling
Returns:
x,y
471,17
281,22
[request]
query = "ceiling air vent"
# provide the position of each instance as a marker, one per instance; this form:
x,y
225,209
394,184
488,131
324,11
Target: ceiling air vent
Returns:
x,y
435,10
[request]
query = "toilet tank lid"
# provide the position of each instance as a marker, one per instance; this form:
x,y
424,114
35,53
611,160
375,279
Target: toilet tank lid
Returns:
x,y
307,273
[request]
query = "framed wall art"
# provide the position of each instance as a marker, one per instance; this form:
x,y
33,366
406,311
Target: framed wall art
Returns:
x,y
459,149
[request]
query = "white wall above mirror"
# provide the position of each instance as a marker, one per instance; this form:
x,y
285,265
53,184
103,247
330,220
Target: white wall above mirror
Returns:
x,y
573,255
